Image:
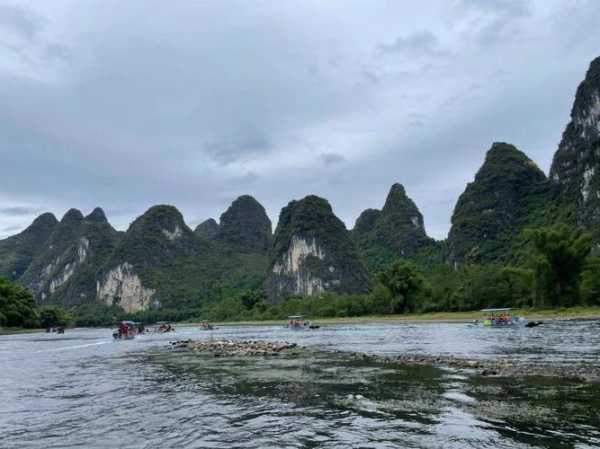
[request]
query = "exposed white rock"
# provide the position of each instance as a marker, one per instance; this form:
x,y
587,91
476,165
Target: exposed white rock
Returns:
x,y
123,286
415,222
588,174
173,235
298,251
63,277
291,265
82,249
69,269
50,267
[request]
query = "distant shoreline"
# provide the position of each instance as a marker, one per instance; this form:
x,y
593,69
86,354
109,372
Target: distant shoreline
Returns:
x,y
573,313
570,314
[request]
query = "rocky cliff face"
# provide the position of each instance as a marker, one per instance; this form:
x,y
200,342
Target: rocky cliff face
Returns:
x,y
509,193
208,229
154,242
246,226
397,231
576,165
313,253
158,263
122,286
65,267
51,262
17,252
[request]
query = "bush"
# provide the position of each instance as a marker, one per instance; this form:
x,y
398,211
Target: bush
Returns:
x,y
17,308
54,316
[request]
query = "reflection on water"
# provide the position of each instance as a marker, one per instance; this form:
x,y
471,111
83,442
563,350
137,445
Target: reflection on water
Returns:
x,y
84,390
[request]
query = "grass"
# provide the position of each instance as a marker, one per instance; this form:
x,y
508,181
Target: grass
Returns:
x,y
579,312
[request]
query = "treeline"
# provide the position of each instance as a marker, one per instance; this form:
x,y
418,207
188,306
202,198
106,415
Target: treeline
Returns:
x,y
18,309
555,268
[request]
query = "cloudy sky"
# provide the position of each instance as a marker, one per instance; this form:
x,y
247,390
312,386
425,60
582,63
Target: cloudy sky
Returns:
x,y
129,104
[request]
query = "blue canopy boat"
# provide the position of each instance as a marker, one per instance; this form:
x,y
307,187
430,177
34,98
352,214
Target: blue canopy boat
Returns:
x,y
501,317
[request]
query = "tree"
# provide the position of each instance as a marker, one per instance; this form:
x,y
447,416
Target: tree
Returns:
x,y
398,287
590,281
558,259
253,299
17,308
54,316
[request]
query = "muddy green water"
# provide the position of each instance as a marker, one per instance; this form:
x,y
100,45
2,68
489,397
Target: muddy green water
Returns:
x,y
84,390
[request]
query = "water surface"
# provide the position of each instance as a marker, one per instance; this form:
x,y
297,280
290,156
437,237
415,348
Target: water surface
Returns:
x,y
82,389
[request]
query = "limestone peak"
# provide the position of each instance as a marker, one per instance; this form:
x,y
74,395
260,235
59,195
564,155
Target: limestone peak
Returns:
x,y
158,218
97,215
399,207
72,216
246,226
208,229
313,253
503,199
46,219
576,164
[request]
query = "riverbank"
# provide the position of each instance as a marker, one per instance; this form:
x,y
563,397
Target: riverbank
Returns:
x,y
572,313
18,330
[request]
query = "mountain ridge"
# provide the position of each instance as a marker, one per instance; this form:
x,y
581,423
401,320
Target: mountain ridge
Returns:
x,y
159,262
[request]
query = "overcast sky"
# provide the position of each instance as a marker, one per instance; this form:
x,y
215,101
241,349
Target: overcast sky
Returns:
x,y
128,104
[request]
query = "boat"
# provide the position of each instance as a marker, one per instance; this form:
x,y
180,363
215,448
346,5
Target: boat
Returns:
x,y
163,327
501,317
127,330
206,326
298,322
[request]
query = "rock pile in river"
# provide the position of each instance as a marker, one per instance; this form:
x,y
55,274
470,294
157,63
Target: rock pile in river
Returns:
x,y
236,348
497,367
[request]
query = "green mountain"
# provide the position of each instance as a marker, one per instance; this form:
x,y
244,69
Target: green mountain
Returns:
x,y
576,165
208,229
246,226
509,193
161,263
65,269
313,253
17,252
397,231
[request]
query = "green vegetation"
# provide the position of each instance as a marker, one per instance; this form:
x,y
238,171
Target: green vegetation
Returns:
x,y
53,316
18,251
559,259
17,308
509,194
397,229
560,262
313,220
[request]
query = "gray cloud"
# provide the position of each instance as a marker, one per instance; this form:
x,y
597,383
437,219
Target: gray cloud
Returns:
x,y
415,45
493,21
11,229
21,21
332,158
128,104
17,211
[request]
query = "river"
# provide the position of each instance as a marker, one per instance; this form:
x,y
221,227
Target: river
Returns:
x,y
84,390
